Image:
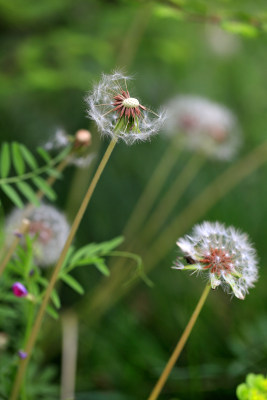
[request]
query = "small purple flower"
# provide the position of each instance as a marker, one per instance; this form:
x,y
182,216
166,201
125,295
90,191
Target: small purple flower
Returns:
x,y
22,354
19,290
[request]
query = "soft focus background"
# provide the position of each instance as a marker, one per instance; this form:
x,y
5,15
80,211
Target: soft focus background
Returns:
x,y
51,54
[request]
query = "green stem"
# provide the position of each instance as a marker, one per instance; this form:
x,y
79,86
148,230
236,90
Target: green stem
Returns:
x,y
179,347
171,198
152,189
40,315
133,37
203,202
109,292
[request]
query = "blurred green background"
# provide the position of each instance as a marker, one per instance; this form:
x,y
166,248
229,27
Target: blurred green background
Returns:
x,y
51,54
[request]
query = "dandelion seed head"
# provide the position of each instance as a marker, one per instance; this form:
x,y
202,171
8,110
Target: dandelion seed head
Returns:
x,y
50,228
117,114
81,142
224,255
204,126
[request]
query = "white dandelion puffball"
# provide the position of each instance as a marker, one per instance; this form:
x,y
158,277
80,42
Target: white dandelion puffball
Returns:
x,y
117,114
204,126
224,255
50,228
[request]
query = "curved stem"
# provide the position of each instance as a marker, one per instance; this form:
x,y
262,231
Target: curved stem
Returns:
x,y
179,347
40,315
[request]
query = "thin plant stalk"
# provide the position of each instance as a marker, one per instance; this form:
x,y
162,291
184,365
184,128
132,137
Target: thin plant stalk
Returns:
x,y
152,189
216,190
171,198
180,345
126,55
133,37
69,355
109,292
23,229
40,315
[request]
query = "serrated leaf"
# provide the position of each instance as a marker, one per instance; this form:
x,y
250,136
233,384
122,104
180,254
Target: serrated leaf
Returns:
x,y
12,194
43,153
27,191
17,158
44,187
5,160
28,157
71,282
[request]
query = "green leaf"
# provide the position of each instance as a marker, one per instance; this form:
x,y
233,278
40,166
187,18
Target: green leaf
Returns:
x,y
28,157
27,191
111,244
43,153
12,194
70,281
5,160
17,158
54,172
240,28
101,266
52,312
44,187
55,299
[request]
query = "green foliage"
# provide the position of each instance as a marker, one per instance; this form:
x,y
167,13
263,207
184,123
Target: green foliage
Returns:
x,y
255,388
27,169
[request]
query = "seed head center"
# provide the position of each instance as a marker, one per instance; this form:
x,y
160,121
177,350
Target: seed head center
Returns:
x,y
130,102
217,260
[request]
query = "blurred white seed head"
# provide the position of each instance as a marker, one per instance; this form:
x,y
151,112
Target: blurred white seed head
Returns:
x,y
79,156
50,228
224,255
119,115
59,140
204,126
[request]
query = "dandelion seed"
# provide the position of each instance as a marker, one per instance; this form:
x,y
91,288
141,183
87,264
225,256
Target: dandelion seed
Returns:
x,y
204,126
118,114
19,289
50,228
224,255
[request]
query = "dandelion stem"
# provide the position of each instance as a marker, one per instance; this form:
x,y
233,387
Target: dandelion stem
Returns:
x,y
179,347
216,190
109,292
40,315
23,229
69,355
171,198
152,189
